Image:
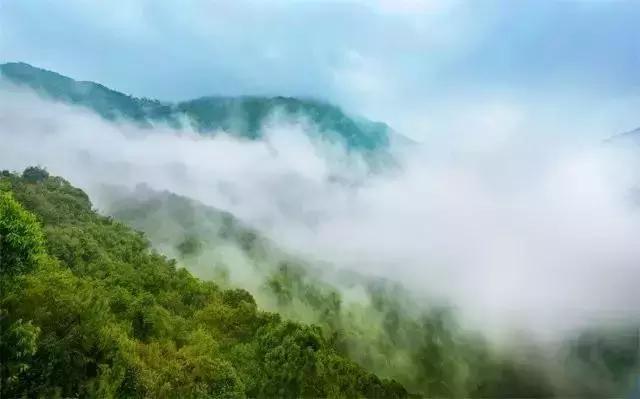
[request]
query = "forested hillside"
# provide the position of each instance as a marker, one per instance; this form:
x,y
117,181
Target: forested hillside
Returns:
x,y
243,116
90,310
375,321
371,320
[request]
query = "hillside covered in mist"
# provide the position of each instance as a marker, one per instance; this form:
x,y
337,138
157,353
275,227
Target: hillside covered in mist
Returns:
x,y
227,251
90,309
240,116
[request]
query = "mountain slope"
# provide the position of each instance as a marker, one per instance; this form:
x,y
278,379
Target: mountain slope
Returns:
x,y
632,135
242,116
373,321
135,325
88,309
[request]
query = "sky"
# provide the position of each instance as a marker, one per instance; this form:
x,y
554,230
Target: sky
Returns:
x,y
412,63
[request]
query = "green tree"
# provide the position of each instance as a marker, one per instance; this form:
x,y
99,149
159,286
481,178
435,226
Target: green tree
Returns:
x,y
21,240
34,174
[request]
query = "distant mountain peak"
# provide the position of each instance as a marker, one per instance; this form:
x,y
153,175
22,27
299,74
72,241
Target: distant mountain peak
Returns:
x,y
633,135
242,116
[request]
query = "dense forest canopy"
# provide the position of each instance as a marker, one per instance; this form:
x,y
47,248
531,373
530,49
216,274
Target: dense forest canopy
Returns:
x,y
90,309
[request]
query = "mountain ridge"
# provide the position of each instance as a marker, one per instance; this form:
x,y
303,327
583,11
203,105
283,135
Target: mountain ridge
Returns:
x,y
242,116
625,137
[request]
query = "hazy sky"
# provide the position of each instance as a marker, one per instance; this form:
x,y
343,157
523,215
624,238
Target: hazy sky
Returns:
x,y
389,59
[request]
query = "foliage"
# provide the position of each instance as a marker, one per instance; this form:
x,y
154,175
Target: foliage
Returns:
x,y
88,309
34,174
374,322
21,241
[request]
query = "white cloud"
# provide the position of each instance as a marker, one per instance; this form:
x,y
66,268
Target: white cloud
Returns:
x,y
514,233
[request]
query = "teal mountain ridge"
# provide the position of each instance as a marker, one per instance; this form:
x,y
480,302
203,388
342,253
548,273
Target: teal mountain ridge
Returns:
x,y
630,135
242,116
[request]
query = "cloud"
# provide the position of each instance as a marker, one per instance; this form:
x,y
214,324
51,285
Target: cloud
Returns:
x,y
530,230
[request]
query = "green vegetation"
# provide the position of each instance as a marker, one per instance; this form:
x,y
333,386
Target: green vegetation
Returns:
x,y
372,321
381,328
88,309
243,116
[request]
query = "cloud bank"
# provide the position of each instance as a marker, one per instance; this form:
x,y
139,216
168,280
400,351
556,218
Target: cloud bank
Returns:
x,y
524,229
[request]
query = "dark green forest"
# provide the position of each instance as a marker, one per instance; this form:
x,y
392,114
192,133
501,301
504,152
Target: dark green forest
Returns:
x,y
88,308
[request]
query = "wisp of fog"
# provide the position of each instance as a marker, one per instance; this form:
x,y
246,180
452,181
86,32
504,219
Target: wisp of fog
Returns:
x,y
529,232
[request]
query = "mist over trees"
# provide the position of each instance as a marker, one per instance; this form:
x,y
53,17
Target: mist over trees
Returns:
x,y
90,309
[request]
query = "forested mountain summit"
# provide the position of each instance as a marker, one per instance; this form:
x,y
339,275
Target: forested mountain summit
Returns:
x,y
243,116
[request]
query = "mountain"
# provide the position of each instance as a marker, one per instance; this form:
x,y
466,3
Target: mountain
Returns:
x,y
88,309
386,329
243,116
631,136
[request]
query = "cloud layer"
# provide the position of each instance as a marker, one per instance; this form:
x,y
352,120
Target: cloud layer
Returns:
x,y
528,229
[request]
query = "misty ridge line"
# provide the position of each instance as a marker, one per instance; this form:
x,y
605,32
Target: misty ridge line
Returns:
x,y
523,249
242,116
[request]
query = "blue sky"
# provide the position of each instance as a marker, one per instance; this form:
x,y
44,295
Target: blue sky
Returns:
x,y
382,58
